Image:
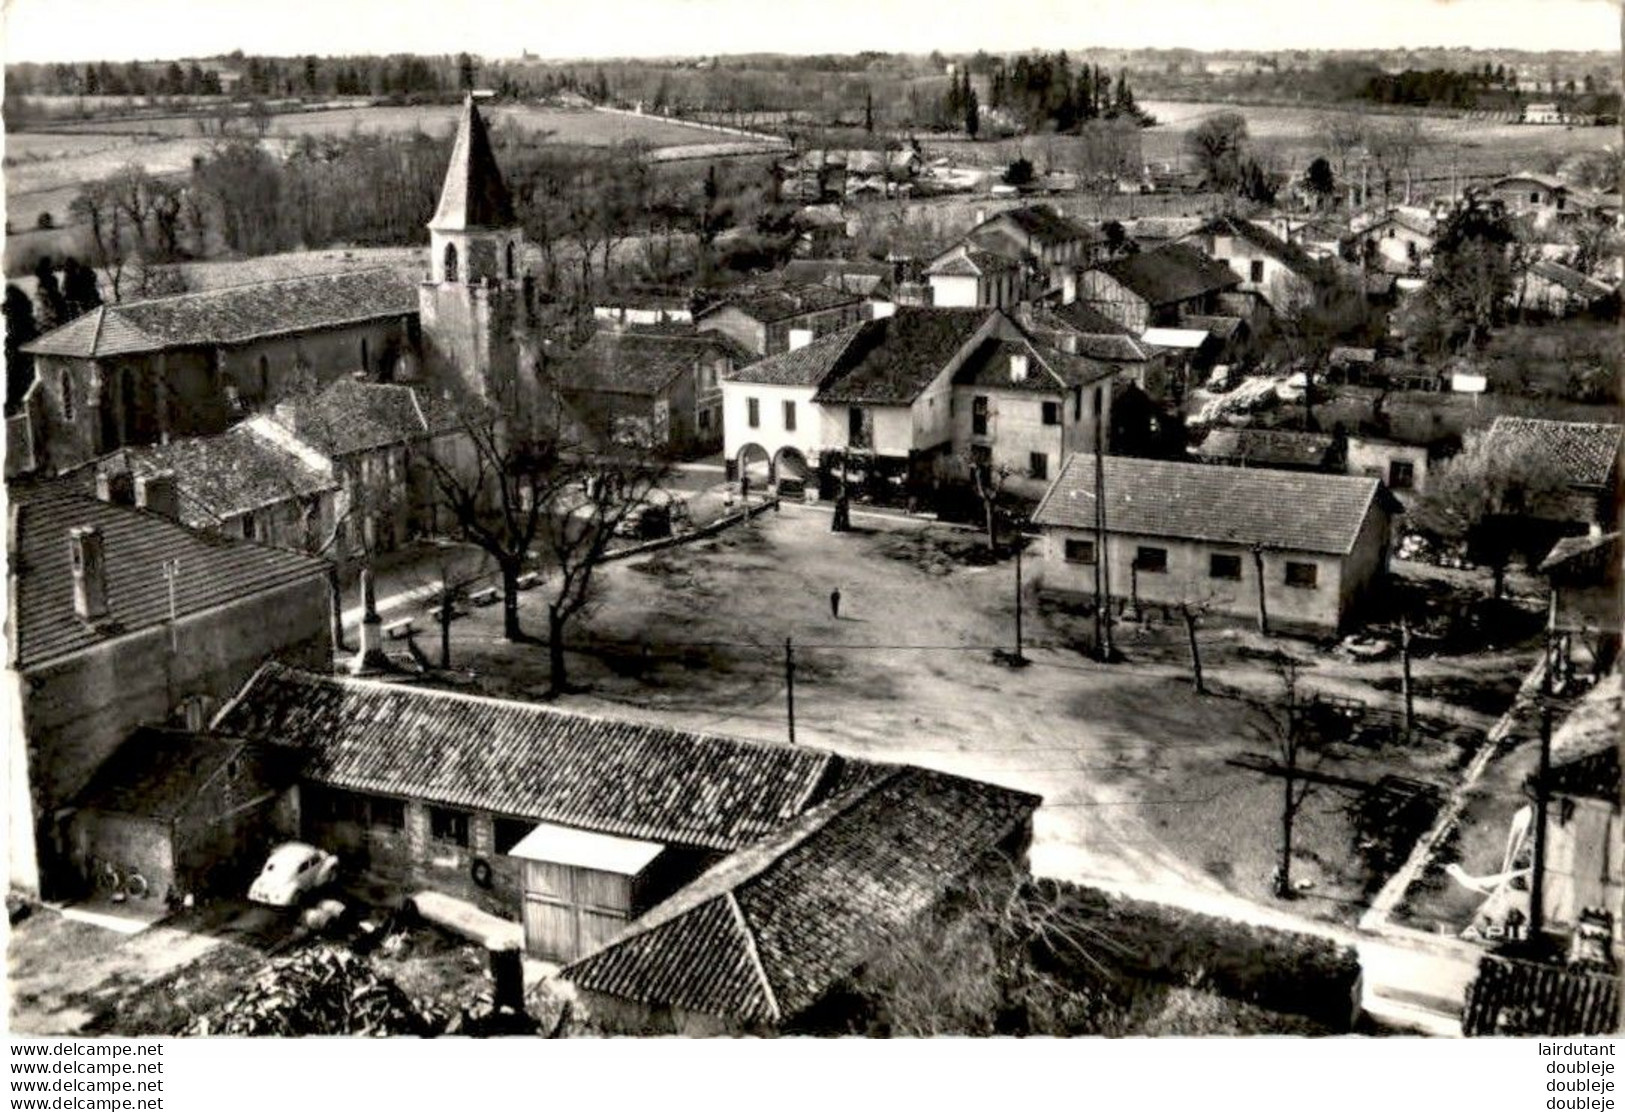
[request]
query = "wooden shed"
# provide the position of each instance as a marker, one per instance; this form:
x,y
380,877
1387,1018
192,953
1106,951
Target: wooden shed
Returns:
x,y
582,888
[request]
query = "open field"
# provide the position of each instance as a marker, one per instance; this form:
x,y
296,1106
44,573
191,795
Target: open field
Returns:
x,y
1132,763
1477,147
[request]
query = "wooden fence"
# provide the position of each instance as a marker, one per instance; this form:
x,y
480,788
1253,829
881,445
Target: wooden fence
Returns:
x,y
1514,997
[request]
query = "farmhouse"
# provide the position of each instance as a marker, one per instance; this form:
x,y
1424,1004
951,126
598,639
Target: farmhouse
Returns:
x,y
1587,456
596,833
1055,245
1540,198
1396,243
1280,272
1156,289
1555,290
1188,532
761,316
122,618
1584,606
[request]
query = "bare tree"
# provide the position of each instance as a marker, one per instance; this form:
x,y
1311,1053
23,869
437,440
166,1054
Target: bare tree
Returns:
x,y
1395,147
96,208
1284,727
1345,133
988,479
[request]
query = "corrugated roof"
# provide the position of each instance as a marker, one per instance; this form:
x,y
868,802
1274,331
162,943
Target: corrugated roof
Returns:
x,y
1171,273
897,357
135,543
1585,452
769,931
637,780
234,314
473,195
1267,447
808,365
782,300
217,477
1245,506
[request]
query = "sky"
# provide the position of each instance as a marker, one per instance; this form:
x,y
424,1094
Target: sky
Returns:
x,y
77,30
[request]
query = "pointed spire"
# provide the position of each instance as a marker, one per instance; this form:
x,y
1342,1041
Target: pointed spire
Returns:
x,y
474,195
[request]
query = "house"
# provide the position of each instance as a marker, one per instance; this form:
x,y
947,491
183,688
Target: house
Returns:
x,y
1280,449
1319,237
1396,243
1539,198
1402,467
886,406
1187,532
1079,329
1054,244
965,277
760,316
174,813
376,441
768,412
1585,454
665,388
1023,407
1552,289
1156,289
767,940
1543,113
119,618
592,832
236,484
139,372
1280,272
875,280
1583,574
820,230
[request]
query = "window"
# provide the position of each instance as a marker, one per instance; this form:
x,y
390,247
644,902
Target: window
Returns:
x,y
1401,474
67,396
512,270
705,419
753,413
1077,403
1301,574
857,427
448,826
1099,400
978,415
451,262
1079,552
390,814
509,833
1258,270
789,416
1038,465
366,364
265,376
1534,198
1220,566
1153,560
1052,413
250,526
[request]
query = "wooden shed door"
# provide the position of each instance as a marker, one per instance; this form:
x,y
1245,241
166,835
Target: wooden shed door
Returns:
x,y
550,929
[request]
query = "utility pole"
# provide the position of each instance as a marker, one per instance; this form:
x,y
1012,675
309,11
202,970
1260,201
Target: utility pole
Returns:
x,y
1405,675
172,571
790,685
1103,583
1020,544
1263,611
1537,866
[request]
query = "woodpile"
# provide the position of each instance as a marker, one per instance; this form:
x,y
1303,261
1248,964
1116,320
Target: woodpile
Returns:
x,y
318,991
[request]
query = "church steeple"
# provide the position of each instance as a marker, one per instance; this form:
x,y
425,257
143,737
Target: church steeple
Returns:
x,y
474,195
474,238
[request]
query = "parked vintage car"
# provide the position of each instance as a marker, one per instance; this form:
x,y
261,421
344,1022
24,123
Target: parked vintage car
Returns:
x,y
293,871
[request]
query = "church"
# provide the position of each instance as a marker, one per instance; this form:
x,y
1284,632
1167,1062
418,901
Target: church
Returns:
x,y
145,372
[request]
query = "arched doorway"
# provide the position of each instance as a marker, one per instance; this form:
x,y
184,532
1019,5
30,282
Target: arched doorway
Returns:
x,y
789,463
756,465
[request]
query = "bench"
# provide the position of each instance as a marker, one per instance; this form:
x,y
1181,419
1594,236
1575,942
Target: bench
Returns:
x,y
486,596
528,580
400,629
440,613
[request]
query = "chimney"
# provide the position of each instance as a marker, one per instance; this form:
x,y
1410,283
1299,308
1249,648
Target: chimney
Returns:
x,y
89,573
981,216
800,338
158,492
116,487
1018,367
